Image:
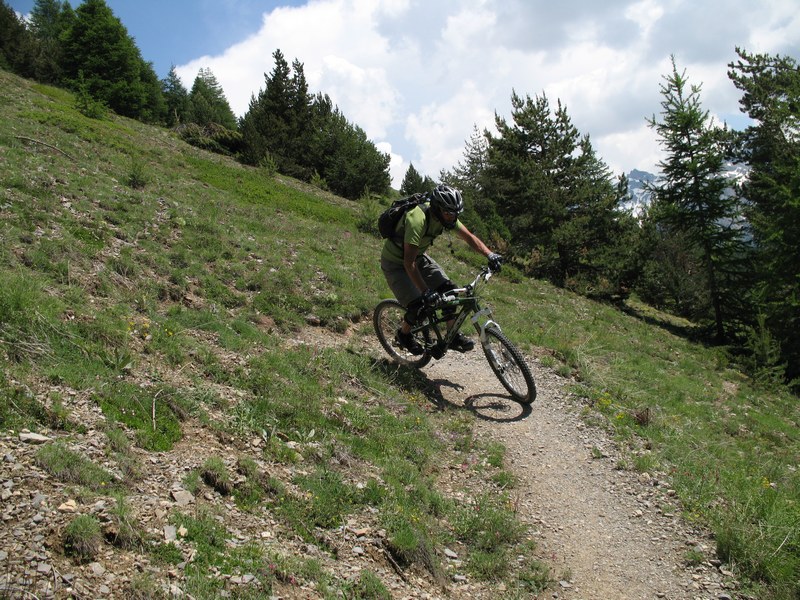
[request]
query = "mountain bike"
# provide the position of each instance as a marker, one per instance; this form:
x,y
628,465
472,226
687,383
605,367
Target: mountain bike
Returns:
x,y
431,332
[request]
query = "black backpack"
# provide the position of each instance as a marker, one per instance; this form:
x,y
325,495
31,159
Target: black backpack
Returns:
x,y
388,220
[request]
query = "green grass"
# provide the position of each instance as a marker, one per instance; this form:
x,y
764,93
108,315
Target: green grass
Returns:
x,y
215,474
148,411
70,467
174,299
82,538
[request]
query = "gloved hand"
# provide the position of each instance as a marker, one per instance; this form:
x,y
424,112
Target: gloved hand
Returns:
x,y
495,261
431,299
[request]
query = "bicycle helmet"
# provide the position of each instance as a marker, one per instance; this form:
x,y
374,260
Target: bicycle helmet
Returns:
x,y
445,198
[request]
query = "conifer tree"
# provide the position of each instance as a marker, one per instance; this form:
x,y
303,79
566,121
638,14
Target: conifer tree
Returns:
x,y
692,197
301,120
207,102
306,136
413,183
529,170
267,124
356,166
771,148
557,199
176,97
469,171
16,44
468,175
49,20
99,54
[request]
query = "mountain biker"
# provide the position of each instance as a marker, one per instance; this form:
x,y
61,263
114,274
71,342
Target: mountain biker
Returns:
x,y
416,280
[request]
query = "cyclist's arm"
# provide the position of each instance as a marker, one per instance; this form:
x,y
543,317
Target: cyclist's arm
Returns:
x,y
410,253
474,241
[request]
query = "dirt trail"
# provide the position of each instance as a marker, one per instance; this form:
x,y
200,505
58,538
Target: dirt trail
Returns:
x,y
606,532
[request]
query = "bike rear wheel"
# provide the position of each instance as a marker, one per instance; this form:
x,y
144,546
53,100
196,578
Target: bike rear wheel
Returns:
x,y
509,365
387,319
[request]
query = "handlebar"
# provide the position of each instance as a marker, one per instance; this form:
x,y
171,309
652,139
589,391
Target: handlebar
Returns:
x,y
483,275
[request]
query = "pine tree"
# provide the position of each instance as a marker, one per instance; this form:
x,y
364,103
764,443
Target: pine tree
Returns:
x,y
16,44
266,125
468,175
356,167
557,199
49,20
307,136
176,97
99,54
529,170
301,121
207,102
692,197
154,109
413,183
771,148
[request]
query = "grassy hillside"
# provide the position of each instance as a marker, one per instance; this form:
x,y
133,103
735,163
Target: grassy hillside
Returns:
x,y
163,285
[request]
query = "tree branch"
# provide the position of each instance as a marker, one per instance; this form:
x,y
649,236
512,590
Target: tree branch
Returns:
x,y
27,139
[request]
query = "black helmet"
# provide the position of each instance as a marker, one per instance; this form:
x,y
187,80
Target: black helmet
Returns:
x,y
445,198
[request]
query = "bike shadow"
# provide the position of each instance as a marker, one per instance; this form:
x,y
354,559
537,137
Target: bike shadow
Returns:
x,y
488,406
493,407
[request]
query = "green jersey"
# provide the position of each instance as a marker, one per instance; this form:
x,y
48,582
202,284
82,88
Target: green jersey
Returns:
x,y
418,229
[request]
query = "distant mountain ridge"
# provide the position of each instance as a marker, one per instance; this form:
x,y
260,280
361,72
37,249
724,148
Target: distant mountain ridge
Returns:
x,y
639,182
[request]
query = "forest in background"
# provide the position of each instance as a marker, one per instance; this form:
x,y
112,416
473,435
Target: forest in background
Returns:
x,y
719,252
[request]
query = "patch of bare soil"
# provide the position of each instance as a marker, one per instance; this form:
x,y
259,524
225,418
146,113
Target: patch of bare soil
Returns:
x,y
605,532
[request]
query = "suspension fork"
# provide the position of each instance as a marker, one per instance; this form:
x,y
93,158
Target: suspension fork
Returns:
x,y
481,327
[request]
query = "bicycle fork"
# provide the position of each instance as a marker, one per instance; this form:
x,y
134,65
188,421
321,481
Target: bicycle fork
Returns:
x,y
481,327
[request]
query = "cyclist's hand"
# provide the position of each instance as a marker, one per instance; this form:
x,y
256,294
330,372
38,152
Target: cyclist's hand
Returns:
x,y
431,299
495,262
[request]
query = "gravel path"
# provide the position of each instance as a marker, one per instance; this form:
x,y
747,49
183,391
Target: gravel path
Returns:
x,y
607,533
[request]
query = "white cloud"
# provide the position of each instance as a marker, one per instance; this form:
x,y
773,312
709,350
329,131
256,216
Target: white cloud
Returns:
x,y
439,131
417,75
633,148
645,14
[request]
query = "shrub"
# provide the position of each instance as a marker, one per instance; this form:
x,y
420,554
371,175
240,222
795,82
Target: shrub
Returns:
x,y
82,538
144,587
137,176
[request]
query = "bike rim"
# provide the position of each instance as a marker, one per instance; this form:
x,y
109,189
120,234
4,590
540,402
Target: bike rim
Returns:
x,y
389,317
506,367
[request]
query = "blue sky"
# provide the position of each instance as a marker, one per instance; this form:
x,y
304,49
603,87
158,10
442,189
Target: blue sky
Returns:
x,y
176,31
419,75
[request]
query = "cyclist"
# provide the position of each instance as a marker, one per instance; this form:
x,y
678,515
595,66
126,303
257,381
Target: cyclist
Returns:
x,y
415,279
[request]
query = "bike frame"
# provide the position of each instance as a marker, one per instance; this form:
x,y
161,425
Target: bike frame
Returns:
x,y
466,302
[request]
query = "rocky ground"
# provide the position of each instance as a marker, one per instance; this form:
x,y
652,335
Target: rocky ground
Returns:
x,y
606,533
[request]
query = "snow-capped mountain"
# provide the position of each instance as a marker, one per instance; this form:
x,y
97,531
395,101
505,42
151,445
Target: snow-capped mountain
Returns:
x,y
638,192
640,196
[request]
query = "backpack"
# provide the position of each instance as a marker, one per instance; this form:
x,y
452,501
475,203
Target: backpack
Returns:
x,y
388,220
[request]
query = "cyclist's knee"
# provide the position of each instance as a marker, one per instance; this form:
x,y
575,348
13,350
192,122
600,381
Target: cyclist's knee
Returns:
x,y
446,287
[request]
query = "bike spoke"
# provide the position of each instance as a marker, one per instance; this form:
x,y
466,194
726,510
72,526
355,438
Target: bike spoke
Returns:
x,y
509,366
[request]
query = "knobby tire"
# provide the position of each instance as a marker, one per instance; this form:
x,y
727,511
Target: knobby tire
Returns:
x,y
509,365
387,319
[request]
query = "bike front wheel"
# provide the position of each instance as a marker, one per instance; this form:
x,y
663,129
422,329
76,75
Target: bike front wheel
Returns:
x,y
509,365
387,319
